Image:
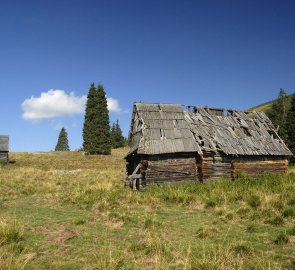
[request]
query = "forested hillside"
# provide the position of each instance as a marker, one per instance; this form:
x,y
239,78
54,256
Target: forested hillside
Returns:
x,y
281,112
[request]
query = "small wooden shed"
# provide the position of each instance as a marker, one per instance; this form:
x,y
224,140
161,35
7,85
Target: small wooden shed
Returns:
x,y
171,143
4,147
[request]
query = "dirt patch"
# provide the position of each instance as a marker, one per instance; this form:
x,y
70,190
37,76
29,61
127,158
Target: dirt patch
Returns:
x,y
196,206
113,224
56,234
60,237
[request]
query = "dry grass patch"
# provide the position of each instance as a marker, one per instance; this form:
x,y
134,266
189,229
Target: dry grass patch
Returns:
x,y
113,224
60,237
56,233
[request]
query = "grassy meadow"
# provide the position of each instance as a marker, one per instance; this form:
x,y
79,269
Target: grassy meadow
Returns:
x,y
71,211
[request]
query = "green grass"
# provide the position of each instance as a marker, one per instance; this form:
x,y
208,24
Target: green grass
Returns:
x,y
70,211
10,232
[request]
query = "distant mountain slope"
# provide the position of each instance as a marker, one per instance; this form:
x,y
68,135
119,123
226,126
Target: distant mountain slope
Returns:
x,y
266,106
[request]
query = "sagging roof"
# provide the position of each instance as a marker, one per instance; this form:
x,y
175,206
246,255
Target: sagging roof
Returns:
x,y
4,141
166,128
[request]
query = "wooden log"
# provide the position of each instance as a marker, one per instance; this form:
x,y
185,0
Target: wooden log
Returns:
x,y
167,179
213,159
169,175
135,176
134,184
172,162
260,164
4,156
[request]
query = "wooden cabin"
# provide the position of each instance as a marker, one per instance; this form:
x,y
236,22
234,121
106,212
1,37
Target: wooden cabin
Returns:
x,y
170,143
4,149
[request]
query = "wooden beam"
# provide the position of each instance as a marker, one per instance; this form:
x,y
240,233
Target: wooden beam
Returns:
x,y
135,176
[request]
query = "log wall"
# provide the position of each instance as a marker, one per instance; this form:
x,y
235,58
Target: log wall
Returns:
x,y
171,168
4,156
259,167
215,166
188,167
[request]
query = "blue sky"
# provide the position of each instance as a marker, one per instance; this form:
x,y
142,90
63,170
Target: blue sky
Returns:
x,y
230,54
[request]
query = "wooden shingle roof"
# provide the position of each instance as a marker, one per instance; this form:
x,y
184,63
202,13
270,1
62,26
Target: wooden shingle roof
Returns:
x,y
235,132
160,128
4,140
166,128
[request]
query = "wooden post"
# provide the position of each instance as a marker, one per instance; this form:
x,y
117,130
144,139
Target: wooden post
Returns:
x,y
233,171
138,175
134,184
200,169
133,178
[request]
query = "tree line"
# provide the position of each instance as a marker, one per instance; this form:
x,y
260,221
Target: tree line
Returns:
x,y
282,115
98,136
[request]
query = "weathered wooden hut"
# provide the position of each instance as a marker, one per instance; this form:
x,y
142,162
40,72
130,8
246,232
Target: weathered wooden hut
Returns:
x,y
169,143
4,149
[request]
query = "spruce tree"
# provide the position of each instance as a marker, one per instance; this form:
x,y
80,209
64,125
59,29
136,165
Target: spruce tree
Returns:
x,y
89,118
62,142
117,138
96,130
103,122
278,113
290,126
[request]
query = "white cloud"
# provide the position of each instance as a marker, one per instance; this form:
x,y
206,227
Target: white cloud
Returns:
x,y
113,105
52,104
55,103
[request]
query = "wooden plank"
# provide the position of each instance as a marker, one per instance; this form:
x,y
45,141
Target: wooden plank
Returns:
x,y
168,179
173,115
147,107
152,134
135,176
150,115
177,108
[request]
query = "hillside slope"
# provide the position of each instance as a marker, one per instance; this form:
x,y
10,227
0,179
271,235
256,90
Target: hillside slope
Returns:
x,y
266,106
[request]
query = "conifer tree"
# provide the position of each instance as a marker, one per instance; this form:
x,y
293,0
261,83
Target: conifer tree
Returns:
x,y
278,113
103,123
117,138
90,115
96,130
290,126
62,142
